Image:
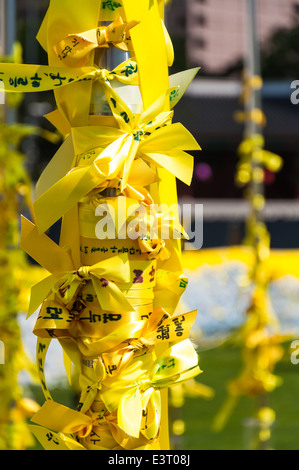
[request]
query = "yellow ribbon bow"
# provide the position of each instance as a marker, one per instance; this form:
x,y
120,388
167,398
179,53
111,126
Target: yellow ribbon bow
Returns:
x,y
159,328
74,50
139,398
103,276
66,278
150,136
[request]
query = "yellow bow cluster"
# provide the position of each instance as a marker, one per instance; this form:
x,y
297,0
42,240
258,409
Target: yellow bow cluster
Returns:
x,y
140,397
72,50
105,153
251,151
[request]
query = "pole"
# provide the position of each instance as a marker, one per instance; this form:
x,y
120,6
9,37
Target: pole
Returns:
x,y
254,126
7,39
10,40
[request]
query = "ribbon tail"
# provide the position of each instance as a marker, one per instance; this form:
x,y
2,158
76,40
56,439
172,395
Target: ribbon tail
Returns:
x,y
44,250
151,403
39,293
129,413
59,418
178,163
58,167
183,81
42,346
54,441
29,78
129,162
169,138
169,46
111,297
66,193
120,110
176,364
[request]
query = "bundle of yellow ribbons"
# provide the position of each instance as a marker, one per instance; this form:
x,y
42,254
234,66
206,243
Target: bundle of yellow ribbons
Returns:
x,y
110,302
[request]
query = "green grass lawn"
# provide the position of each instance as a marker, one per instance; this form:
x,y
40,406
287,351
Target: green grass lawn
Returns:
x,y
219,366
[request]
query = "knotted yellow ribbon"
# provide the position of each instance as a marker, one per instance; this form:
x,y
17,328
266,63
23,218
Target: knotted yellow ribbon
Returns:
x,y
74,50
138,403
103,275
154,230
66,278
133,399
107,152
159,328
251,151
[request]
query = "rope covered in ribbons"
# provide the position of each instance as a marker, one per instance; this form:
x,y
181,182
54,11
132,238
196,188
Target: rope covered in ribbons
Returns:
x,y
111,304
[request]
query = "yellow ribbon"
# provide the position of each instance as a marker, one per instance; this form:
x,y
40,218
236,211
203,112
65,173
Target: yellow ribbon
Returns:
x,y
95,430
153,229
251,151
134,401
255,115
250,83
169,289
35,78
51,440
159,328
177,364
74,50
66,279
150,136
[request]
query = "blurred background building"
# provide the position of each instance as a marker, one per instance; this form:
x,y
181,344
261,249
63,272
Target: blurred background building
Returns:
x,y
211,34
